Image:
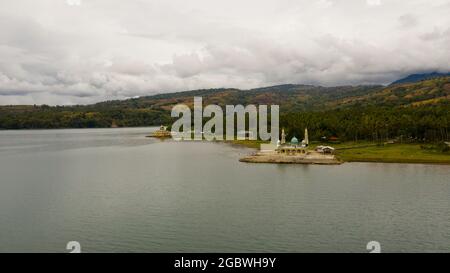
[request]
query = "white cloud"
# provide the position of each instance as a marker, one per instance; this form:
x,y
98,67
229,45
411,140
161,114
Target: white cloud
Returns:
x,y
73,2
373,2
55,53
408,20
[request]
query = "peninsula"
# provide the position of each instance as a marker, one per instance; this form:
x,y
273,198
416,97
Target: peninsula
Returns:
x,y
161,133
293,153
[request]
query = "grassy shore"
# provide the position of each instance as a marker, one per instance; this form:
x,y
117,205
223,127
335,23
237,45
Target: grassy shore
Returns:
x,y
249,143
390,153
373,152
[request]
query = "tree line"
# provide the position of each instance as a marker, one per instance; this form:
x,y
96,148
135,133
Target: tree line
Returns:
x,y
374,123
419,124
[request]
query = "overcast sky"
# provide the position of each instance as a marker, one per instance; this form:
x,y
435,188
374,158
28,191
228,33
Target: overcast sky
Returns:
x,y
85,51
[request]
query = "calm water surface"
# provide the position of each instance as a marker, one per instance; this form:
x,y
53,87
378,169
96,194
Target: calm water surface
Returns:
x,y
114,190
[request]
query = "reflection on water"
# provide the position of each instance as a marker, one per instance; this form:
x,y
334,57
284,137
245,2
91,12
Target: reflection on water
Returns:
x,y
115,190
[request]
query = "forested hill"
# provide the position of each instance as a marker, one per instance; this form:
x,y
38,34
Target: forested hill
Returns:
x,y
290,97
419,110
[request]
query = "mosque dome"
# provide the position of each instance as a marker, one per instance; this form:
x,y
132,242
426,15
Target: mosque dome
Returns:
x,y
294,141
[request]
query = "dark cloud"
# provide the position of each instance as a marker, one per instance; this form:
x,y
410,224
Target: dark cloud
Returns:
x,y
14,93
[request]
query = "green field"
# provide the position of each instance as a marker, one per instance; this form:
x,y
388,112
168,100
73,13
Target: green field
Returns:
x,y
249,143
372,152
392,153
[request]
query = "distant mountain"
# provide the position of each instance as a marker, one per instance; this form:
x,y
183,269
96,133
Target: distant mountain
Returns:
x,y
292,98
421,77
428,92
302,98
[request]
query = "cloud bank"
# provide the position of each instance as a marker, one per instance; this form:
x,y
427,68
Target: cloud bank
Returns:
x,y
85,51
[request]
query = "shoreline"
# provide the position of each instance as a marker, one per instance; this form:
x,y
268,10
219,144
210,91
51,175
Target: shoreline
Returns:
x,y
273,157
368,152
400,161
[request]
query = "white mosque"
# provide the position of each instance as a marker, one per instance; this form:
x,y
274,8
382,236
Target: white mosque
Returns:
x,y
293,147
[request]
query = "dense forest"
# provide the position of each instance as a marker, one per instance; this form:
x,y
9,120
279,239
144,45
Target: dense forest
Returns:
x,y
417,124
417,111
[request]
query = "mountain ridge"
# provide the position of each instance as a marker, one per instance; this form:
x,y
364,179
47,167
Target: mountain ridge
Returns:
x,y
428,97
412,78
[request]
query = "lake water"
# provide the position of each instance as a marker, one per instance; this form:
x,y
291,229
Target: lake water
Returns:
x,y
113,190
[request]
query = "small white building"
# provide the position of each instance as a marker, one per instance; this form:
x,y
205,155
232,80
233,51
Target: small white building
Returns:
x,y
325,149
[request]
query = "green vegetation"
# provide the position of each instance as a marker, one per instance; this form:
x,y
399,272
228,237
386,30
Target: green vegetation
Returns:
x,y
411,112
365,151
416,116
46,117
248,143
407,124
398,153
